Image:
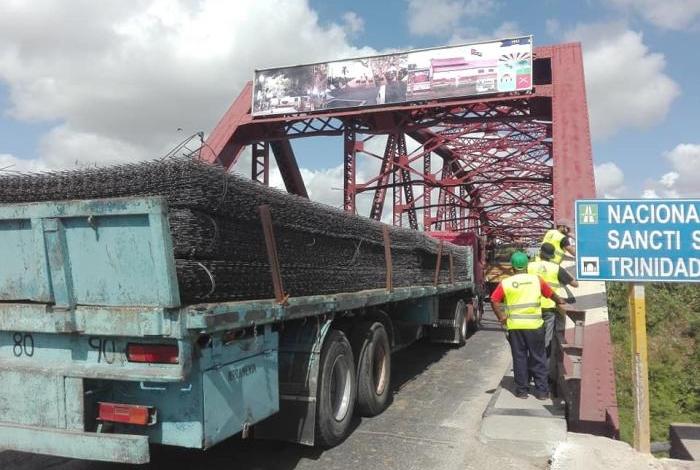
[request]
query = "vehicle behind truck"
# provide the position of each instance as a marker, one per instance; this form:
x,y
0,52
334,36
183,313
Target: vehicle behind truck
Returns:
x,y
100,357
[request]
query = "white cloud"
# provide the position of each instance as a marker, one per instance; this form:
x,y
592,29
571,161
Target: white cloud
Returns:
x,y
626,84
119,78
11,164
669,179
667,14
507,29
649,194
353,23
441,17
609,180
684,178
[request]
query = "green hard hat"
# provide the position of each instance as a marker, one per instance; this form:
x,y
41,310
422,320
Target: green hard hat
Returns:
x,y
519,260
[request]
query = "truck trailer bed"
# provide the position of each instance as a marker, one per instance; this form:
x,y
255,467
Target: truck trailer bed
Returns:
x,y
99,357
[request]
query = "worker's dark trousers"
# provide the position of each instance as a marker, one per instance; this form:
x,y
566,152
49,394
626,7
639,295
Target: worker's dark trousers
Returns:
x,y
527,347
549,315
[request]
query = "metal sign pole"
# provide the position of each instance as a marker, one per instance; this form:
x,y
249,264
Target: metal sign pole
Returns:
x,y
640,367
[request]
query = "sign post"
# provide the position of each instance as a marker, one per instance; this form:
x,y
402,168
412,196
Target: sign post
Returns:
x,y
640,367
638,241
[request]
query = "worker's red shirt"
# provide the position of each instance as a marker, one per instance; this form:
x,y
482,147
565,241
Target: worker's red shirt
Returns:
x,y
498,294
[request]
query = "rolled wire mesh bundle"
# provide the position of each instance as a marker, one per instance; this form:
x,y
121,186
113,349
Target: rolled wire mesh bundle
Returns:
x,y
198,235
218,239
219,280
183,182
212,280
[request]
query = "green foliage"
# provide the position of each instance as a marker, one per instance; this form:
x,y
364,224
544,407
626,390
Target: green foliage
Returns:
x,y
673,329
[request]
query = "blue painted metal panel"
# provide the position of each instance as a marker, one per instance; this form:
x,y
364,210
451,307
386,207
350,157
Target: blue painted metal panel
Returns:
x,y
75,444
113,252
244,392
85,356
179,409
44,399
239,314
183,408
30,398
92,320
57,254
18,273
112,262
422,311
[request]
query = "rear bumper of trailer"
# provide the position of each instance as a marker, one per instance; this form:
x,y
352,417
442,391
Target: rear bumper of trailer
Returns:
x,y
121,448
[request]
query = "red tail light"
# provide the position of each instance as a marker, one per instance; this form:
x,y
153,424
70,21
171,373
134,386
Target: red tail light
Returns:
x,y
152,353
127,414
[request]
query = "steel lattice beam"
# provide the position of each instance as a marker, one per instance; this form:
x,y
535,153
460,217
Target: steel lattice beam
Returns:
x,y
504,166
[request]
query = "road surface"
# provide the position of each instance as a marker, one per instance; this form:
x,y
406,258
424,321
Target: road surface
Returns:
x,y
439,395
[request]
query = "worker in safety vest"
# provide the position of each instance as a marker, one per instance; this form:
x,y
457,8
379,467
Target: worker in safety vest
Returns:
x,y
556,277
561,240
523,294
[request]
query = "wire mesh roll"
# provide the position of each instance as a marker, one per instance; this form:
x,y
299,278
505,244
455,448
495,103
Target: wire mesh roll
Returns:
x,y
218,238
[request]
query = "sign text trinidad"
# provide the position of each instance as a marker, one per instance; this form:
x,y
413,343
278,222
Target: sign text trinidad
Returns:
x,y
638,240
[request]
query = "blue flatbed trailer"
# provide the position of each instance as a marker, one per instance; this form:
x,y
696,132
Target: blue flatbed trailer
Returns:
x,y
99,359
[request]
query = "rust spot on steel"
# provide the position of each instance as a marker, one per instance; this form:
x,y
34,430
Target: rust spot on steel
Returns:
x,y
437,265
273,258
387,259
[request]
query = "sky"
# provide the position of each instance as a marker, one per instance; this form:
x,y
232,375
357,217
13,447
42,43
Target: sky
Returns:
x,y
85,82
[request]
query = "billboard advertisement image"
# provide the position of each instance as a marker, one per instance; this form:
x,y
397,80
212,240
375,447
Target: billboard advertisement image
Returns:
x,y
474,69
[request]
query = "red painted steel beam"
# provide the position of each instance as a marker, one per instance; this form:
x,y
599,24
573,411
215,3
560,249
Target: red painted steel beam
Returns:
x,y
401,153
574,179
221,145
573,160
260,170
289,168
349,170
384,174
425,137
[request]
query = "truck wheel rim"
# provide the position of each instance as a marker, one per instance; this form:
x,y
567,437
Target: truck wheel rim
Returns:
x,y
341,386
380,374
463,328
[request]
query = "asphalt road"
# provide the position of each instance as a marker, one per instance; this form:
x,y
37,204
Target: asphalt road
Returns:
x,y
439,394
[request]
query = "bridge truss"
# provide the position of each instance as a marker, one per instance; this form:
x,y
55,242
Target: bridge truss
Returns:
x,y
505,167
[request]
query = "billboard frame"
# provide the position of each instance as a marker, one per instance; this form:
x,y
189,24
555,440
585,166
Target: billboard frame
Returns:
x,y
523,91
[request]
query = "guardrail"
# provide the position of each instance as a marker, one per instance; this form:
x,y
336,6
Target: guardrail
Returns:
x,y
566,370
569,370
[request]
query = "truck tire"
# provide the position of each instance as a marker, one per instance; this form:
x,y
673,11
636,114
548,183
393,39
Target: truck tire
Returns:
x,y
474,316
461,322
373,357
336,390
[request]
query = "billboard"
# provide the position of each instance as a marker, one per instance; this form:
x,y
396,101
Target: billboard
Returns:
x,y
473,69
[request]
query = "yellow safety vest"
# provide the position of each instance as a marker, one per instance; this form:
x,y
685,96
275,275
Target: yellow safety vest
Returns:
x,y
550,273
554,237
522,302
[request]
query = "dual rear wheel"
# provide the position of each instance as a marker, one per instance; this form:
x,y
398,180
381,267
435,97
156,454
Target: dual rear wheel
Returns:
x,y
352,377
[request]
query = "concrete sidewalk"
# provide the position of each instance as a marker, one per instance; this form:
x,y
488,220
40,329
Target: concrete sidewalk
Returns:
x,y
530,426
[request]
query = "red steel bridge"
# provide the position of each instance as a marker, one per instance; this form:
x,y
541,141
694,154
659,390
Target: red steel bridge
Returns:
x,y
503,166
